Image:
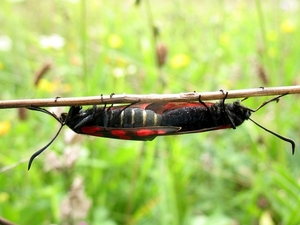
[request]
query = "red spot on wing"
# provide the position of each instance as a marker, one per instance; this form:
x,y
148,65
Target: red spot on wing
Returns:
x,y
147,132
139,133
92,130
142,134
121,134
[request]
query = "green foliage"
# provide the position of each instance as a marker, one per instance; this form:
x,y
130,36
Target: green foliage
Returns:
x,y
242,176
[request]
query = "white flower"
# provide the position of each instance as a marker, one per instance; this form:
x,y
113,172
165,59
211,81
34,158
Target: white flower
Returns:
x,y
53,41
5,43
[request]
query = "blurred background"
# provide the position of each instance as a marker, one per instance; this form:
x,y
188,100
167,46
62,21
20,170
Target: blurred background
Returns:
x,y
80,48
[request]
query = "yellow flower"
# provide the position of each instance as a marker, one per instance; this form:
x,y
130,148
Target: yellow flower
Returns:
x,y
46,85
224,40
4,127
179,61
287,26
115,41
4,196
54,86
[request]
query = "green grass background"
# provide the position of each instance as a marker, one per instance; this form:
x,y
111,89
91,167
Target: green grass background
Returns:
x,y
226,177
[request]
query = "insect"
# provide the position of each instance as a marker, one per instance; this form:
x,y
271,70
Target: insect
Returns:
x,y
144,122
131,122
199,117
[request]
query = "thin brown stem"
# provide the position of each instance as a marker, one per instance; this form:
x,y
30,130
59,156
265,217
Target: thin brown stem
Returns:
x,y
5,222
125,99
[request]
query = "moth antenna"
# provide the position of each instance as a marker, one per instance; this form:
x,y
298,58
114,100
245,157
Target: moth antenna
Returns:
x,y
267,102
62,123
44,148
272,132
34,108
277,135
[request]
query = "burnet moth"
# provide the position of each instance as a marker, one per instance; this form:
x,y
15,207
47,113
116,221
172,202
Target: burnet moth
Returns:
x,y
144,122
131,122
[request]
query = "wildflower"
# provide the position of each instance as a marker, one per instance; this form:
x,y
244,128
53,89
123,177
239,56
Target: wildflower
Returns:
x,y
4,196
224,40
4,127
54,41
5,43
115,41
46,85
180,60
118,72
289,5
288,26
51,87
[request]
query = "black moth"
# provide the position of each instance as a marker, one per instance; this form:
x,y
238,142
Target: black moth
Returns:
x,y
144,122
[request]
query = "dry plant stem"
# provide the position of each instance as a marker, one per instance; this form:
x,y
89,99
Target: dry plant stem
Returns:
x,y
125,99
5,222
